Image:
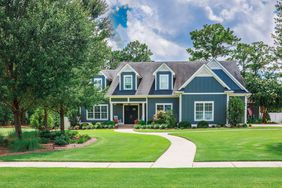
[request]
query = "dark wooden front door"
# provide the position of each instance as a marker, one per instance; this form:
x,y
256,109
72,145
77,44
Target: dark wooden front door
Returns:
x,y
130,114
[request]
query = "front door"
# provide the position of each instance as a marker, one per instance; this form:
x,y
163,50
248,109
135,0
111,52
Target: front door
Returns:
x,y
130,114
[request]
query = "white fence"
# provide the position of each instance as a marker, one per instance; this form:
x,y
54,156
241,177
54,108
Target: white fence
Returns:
x,y
276,117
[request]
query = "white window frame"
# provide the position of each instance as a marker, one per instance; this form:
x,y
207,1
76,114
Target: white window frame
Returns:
x,y
98,80
164,76
98,119
131,78
204,118
163,104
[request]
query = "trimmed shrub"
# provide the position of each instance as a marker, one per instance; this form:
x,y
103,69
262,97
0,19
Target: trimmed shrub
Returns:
x,y
149,126
44,140
45,134
98,125
141,122
156,126
235,111
202,124
163,126
37,119
166,117
83,138
184,125
245,125
61,140
137,127
109,123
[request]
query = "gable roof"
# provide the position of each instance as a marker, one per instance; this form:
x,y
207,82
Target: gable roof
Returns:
x,y
204,70
183,71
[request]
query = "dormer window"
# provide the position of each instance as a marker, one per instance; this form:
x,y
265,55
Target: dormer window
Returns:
x,y
98,83
127,82
164,81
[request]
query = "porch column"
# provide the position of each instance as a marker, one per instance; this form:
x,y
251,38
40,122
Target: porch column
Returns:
x,y
246,106
111,111
143,112
180,108
227,106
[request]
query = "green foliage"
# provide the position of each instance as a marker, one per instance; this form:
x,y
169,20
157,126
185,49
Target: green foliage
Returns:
x,y
61,140
166,117
137,126
278,30
141,122
83,138
6,116
212,41
37,119
202,124
30,141
133,52
235,110
184,125
111,123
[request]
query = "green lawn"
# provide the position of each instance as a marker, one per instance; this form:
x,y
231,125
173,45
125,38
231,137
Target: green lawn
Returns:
x,y
205,177
6,131
236,144
111,146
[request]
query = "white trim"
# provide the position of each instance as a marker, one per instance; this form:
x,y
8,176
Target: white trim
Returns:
x,y
163,104
125,102
180,108
102,84
245,109
102,119
146,109
239,94
131,78
111,111
204,66
166,76
219,93
143,112
227,106
144,96
130,67
101,73
203,102
161,66
230,75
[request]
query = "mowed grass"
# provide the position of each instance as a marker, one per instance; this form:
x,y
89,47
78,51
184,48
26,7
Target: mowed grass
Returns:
x,y
6,131
236,144
205,177
110,146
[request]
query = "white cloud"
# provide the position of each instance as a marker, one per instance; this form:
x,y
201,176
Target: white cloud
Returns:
x,y
212,16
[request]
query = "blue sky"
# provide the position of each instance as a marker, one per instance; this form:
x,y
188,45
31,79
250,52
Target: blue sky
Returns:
x,y
164,25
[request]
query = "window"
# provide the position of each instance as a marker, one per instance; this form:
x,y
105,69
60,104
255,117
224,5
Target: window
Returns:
x,y
98,83
163,107
127,82
164,81
98,112
204,111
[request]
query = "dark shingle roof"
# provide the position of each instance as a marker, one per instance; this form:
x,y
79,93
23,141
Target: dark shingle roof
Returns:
x,y
183,71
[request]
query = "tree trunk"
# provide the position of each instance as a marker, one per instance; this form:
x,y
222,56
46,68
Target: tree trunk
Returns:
x,y
17,119
62,121
263,110
45,119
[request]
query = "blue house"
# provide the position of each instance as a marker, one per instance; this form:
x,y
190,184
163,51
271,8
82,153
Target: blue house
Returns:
x,y
194,91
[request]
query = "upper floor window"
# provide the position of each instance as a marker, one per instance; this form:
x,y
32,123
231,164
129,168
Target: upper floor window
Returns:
x,y
204,111
98,83
127,82
164,81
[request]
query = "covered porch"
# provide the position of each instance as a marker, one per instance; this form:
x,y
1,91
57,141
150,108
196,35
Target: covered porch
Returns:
x,y
128,110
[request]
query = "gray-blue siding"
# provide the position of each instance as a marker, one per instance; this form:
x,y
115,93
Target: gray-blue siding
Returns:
x,y
152,106
83,117
188,102
204,84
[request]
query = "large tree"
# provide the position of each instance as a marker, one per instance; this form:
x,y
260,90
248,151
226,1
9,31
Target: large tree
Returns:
x,y
212,41
133,52
278,30
42,44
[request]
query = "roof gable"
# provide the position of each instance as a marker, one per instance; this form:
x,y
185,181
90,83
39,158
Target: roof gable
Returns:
x,y
128,68
163,67
204,71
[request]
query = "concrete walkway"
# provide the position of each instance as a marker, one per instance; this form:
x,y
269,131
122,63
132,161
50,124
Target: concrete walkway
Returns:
x,y
180,154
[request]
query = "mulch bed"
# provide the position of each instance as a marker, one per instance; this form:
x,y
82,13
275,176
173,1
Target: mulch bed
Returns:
x,y
47,147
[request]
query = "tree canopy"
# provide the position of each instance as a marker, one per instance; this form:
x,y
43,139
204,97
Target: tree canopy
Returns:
x,y
212,41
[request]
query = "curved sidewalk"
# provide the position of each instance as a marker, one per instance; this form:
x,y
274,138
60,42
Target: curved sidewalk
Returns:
x,y
180,153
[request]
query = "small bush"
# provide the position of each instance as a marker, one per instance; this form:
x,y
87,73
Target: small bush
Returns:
x,y
61,140
149,126
111,126
202,124
84,125
109,123
71,134
250,125
156,126
83,138
98,125
235,111
141,122
44,140
245,125
184,125
45,134
163,126
137,127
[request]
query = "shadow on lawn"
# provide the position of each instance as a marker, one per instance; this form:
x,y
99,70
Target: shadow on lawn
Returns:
x,y
275,148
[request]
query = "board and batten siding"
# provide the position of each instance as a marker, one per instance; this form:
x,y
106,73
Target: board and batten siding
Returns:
x,y
152,106
204,85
